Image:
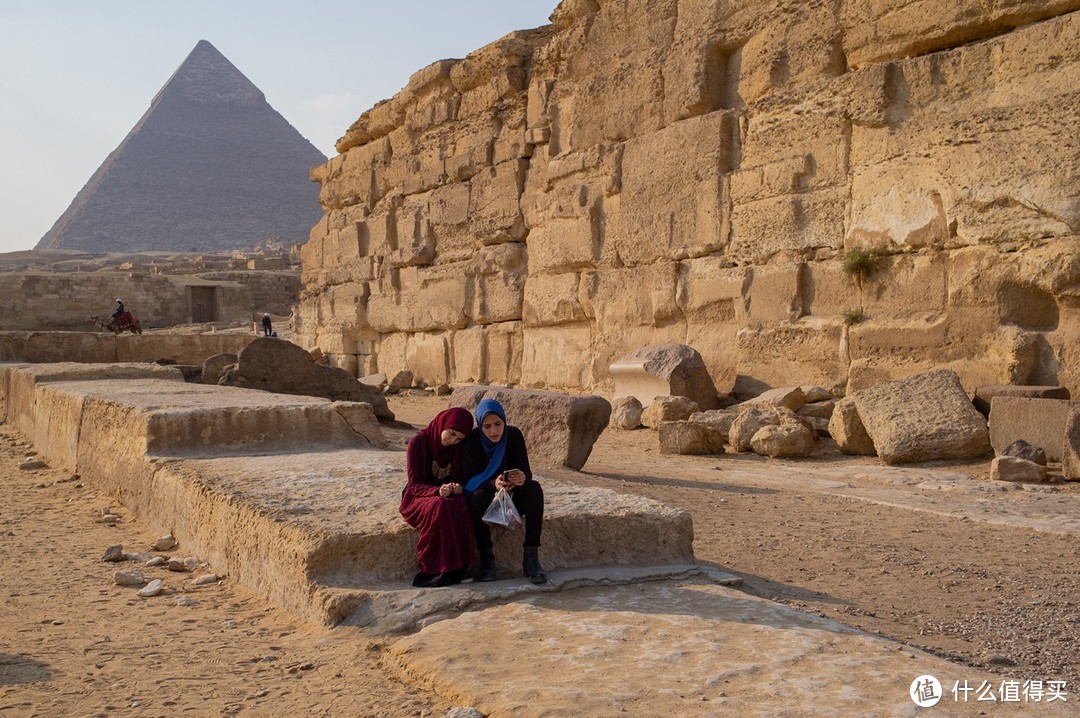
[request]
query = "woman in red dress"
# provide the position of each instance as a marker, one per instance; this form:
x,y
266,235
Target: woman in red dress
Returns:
x,y
434,503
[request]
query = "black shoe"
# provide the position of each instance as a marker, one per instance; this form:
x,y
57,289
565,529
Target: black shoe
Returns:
x,y
487,566
530,564
426,580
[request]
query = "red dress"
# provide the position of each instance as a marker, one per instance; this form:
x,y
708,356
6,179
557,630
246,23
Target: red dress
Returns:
x,y
446,541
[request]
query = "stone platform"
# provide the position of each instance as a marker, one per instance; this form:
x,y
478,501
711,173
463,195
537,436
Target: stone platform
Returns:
x,y
280,493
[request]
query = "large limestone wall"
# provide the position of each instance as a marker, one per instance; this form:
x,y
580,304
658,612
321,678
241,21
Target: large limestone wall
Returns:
x,y
646,171
41,300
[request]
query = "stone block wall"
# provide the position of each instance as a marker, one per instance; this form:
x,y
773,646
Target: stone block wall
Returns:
x,y
40,301
696,171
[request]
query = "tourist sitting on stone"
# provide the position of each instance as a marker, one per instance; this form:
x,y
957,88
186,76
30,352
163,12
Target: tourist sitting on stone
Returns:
x,y
434,502
494,457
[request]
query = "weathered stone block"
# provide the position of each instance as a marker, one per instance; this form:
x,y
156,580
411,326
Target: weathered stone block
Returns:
x,y
1013,468
789,397
672,191
689,437
556,356
626,413
776,293
213,366
792,223
664,370
789,440
847,429
564,245
503,351
925,417
559,429
428,357
667,408
750,419
1040,422
552,299
495,203
985,394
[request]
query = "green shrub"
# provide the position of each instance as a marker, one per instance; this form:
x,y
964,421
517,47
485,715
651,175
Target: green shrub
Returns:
x,y
854,316
859,264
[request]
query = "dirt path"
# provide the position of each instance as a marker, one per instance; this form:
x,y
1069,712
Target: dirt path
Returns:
x,y
73,642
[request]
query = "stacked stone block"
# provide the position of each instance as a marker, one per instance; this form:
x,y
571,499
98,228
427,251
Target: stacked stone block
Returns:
x,y
694,172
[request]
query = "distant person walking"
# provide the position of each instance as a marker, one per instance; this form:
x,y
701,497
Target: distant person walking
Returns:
x,y
268,329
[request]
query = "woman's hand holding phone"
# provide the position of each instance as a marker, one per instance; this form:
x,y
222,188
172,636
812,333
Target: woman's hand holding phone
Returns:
x,y
512,478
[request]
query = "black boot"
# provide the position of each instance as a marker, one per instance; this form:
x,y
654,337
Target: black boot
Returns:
x,y
487,566
530,564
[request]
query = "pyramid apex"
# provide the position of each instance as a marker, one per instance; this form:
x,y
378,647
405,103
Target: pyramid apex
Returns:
x,y
206,75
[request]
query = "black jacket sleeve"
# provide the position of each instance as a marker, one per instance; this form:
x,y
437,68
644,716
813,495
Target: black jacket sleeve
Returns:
x,y
473,460
517,456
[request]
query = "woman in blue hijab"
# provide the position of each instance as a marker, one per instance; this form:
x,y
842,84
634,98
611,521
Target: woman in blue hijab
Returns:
x,y
494,457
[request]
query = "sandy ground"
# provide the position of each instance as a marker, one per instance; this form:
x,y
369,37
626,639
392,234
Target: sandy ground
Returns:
x,y
1002,596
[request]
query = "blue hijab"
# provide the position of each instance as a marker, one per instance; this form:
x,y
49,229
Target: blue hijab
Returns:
x,y
495,452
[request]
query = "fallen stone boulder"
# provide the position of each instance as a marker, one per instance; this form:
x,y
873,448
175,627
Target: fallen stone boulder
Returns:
x,y
691,437
818,409
668,408
1023,450
719,419
214,365
790,397
749,421
782,441
846,428
1013,468
626,413
752,417
815,394
282,367
984,395
664,370
921,418
559,429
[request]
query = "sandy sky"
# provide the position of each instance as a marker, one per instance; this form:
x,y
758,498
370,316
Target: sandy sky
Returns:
x,y
76,75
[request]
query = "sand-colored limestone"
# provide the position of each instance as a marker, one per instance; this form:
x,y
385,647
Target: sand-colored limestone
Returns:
x,y
290,494
695,173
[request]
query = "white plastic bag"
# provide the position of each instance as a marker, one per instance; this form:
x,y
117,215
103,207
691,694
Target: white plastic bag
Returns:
x,y
502,511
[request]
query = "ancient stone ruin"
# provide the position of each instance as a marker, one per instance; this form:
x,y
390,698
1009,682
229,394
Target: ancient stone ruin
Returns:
x,y
210,166
831,194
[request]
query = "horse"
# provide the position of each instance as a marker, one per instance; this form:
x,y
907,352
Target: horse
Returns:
x,y
127,323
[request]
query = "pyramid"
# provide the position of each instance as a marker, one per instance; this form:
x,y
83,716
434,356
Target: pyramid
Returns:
x,y
211,166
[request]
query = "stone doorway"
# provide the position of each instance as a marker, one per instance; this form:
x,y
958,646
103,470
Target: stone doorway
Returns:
x,y
203,304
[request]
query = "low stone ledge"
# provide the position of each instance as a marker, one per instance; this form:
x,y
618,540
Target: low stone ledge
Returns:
x,y
311,531
314,531
984,395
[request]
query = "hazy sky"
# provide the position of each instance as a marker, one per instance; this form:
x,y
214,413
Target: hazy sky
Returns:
x,y
76,75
